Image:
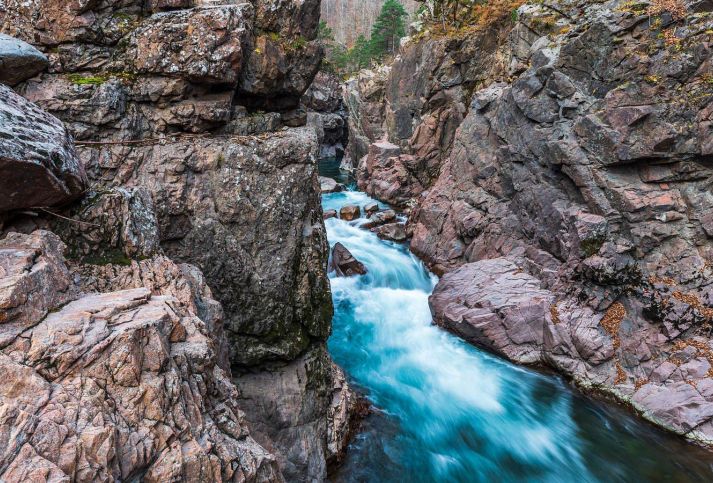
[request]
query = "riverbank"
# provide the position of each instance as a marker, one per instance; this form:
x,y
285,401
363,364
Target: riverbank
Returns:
x,y
448,411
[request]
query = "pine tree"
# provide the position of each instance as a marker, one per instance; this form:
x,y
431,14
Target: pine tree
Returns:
x,y
388,30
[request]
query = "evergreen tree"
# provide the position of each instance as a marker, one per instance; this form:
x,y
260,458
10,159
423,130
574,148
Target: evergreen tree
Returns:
x,y
388,30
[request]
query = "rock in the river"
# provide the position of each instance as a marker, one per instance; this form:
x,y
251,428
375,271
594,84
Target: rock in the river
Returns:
x,y
344,263
349,212
391,231
19,60
329,214
328,185
287,407
380,218
371,208
38,163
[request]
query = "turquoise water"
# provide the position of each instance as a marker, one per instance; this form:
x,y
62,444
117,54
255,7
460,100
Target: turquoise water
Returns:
x,y
449,412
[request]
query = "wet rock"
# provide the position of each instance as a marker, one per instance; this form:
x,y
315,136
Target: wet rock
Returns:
x,y
349,212
391,231
328,185
19,60
305,390
371,208
330,214
38,163
344,263
380,218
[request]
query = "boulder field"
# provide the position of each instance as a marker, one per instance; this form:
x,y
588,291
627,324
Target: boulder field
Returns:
x,y
164,304
557,166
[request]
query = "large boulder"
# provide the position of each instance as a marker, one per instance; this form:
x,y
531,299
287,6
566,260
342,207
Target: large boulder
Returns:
x,y
386,174
329,185
204,45
19,60
105,386
349,212
38,164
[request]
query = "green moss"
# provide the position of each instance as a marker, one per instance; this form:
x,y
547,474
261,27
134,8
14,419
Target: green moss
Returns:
x,y
298,43
101,78
113,257
591,246
123,16
82,80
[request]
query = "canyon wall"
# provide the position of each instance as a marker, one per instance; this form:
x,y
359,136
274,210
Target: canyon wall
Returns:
x,y
195,179
569,214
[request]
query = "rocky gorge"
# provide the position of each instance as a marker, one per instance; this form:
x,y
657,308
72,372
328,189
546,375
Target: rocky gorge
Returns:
x,y
170,303
555,163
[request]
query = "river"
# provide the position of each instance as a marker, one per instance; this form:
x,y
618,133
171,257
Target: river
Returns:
x,y
446,411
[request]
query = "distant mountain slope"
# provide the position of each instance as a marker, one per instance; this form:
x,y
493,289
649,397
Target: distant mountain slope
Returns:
x,y
349,18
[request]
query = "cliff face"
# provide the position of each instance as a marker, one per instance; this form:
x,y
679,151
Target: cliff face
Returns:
x,y
177,108
570,212
351,18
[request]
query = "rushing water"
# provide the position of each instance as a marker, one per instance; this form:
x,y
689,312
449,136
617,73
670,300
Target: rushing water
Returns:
x,y
449,412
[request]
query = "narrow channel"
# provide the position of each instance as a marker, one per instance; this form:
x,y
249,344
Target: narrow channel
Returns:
x,y
447,411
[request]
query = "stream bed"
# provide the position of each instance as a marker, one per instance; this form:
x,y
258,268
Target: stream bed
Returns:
x,y
449,412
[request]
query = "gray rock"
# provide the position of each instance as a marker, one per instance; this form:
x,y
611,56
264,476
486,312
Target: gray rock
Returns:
x,y
38,164
19,60
391,231
371,208
380,218
328,185
343,262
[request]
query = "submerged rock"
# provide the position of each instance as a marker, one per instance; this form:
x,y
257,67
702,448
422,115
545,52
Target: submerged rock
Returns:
x,y
344,263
